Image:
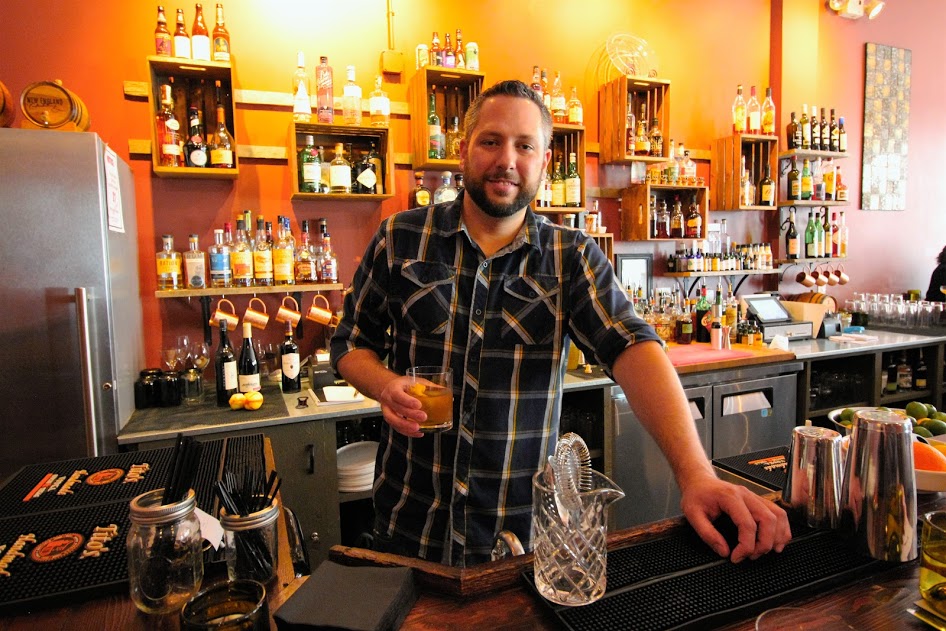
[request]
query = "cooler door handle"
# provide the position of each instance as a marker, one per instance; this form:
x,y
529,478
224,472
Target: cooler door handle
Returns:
x,y
311,449
85,362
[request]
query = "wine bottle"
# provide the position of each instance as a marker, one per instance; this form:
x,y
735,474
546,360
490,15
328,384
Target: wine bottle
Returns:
x,y
225,368
248,367
289,354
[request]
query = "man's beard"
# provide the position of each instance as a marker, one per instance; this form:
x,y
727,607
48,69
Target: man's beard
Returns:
x,y
475,188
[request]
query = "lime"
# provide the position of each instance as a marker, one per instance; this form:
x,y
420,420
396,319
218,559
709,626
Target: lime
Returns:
x,y
930,410
936,427
916,409
939,416
847,414
922,431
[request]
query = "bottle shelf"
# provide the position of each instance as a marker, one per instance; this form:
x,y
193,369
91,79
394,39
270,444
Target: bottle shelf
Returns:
x,y
434,164
745,272
558,210
327,135
808,203
196,173
729,154
613,99
636,213
904,395
817,259
341,197
236,291
456,89
810,153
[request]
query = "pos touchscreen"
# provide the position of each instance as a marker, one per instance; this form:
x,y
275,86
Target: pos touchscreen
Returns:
x,y
767,308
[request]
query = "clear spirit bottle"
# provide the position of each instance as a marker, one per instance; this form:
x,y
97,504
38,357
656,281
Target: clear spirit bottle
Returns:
x,y
559,105
739,112
351,98
195,265
446,192
326,91
262,256
284,256
301,89
453,139
379,105
340,172
221,275
306,264
168,131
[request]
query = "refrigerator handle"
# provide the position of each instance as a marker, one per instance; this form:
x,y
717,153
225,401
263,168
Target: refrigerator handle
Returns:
x,y
85,361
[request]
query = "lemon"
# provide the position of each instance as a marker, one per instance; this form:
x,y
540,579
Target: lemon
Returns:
x,y
237,401
922,431
936,427
254,401
916,409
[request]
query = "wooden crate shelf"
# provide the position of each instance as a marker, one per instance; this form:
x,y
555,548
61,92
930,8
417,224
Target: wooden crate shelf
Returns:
x,y
636,214
728,153
613,99
462,87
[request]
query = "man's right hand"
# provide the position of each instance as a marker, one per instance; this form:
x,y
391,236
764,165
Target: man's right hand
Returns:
x,y
401,411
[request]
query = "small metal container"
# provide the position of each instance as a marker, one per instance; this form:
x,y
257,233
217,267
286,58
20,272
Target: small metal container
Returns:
x,y
878,498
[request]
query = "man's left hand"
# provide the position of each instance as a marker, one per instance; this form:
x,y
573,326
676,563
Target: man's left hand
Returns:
x,y
762,525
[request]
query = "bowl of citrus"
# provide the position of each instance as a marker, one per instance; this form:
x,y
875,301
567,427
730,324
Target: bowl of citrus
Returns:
x,y
929,459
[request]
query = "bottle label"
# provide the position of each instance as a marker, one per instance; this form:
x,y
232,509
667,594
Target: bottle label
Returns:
x,y
230,381
842,142
282,264
329,271
221,156
249,383
263,264
558,193
753,121
573,191
920,383
811,249
422,197
558,103
200,47
196,271
768,193
311,173
220,266
182,46
575,114
842,194
367,178
169,267
300,102
793,248
242,264
379,106
796,189
162,45
221,48
340,176
171,149
290,365
436,139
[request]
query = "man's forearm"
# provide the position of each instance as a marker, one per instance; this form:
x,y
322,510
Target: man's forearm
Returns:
x,y
654,392
362,369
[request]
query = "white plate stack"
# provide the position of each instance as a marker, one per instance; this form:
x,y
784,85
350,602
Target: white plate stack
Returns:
x,y
356,466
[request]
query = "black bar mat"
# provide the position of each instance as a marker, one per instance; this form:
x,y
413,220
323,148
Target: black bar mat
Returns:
x,y
669,583
766,467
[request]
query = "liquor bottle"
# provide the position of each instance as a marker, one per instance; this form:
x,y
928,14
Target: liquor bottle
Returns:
x,y
326,91
791,237
631,131
767,187
739,112
842,136
364,177
458,182
891,387
453,139
301,88
182,41
225,369
289,360
340,172
694,221
828,177
677,221
840,188
833,133
222,146
326,168
458,51
375,158
306,266
794,181
768,113
167,129
436,141
819,235
195,150
436,53
420,196
835,236
200,36
351,98
656,138
685,328
329,263
284,257
268,232
310,167
546,93
572,182
746,188
162,36
663,221
250,233
558,185
672,167
817,180
642,139
792,133
262,257
446,192
703,307
559,106
248,368
825,132
753,113
688,169
576,115
449,57
815,129
195,265
921,374
904,374
826,231
221,38
220,273
805,126
724,241
379,105
811,245
806,182
536,85
169,265
842,237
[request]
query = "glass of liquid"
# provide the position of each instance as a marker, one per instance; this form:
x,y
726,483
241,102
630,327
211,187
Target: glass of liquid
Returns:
x,y
933,561
433,387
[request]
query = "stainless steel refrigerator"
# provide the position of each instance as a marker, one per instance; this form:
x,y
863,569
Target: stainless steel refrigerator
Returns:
x,y
70,311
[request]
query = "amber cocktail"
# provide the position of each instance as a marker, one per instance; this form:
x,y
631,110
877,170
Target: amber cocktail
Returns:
x,y
433,387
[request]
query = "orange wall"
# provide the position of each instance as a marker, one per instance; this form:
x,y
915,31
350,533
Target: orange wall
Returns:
x,y
704,50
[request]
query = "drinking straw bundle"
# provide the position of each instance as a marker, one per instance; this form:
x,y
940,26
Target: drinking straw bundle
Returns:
x,y
242,498
184,463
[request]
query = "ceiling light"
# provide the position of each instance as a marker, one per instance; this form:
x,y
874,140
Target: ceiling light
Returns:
x,y
851,9
874,7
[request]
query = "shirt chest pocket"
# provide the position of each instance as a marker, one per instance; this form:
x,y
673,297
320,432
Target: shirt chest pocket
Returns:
x,y
426,290
531,307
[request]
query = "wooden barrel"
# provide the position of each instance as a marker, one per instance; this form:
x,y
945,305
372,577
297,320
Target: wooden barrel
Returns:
x,y
6,106
816,298
48,105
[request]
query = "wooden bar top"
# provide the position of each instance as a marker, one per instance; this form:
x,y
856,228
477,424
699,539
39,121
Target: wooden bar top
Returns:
x,y
701,357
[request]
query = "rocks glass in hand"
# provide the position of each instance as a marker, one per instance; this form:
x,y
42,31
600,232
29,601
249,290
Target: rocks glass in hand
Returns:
x,y
433,387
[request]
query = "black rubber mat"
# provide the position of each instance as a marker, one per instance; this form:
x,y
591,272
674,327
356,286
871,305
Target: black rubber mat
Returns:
x,y
766,467
671,583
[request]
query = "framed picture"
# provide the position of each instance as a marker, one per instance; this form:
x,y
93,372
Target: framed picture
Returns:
x,y
635,270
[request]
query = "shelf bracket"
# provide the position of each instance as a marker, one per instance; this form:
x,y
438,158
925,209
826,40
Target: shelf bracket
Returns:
x,y
205,316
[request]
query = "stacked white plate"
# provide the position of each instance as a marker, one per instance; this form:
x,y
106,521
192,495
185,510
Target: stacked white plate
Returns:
x,y
356,466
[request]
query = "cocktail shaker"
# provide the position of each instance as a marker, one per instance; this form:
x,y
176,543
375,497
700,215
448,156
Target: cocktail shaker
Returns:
x,y
878,499
813,483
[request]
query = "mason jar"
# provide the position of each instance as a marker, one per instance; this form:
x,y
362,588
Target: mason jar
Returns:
x,y
165,552
250,544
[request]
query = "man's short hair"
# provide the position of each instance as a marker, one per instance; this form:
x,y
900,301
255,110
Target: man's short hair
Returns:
x,y
516,89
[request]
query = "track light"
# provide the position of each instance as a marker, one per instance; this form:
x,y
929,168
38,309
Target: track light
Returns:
x,y
873,9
